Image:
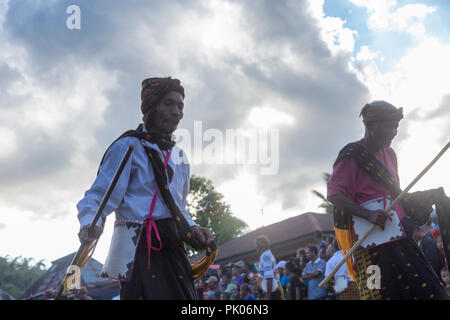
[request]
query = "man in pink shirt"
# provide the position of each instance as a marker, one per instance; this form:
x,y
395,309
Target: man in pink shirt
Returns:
x,y
389,264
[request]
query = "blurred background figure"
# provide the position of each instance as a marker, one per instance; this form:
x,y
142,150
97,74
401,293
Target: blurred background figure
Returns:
x,y
267,269
247,272
236,274
314,273
446,279
301,253
295,289
430,248
435,232
48,295
225,296
323,254
284,279
334,256
235,293
255,287
82,294
246,292
210,288
228,283
199,287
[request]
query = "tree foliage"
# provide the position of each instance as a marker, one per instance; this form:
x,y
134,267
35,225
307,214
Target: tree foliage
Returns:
x,y
325,203
206,206
17,274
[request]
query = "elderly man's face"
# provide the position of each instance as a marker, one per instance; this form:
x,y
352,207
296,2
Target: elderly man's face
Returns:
x,y
383,132
168,113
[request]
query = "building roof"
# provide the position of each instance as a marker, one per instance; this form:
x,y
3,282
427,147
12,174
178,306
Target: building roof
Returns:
x,y
90,277
283,235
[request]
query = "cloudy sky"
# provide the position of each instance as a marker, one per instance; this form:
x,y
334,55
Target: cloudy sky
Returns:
x,y
303,68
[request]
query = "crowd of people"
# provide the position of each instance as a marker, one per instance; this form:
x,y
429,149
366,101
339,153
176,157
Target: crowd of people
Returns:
x,y
430,240
298,277
73,294
293,281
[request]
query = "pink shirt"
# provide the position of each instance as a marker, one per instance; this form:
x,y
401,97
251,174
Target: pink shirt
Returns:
x,y
355,183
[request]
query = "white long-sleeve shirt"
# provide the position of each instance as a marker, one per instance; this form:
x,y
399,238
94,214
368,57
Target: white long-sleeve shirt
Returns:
x,y
333,262
133,193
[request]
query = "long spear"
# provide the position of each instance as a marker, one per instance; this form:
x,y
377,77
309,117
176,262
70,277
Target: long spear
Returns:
x,y
393,203
81,257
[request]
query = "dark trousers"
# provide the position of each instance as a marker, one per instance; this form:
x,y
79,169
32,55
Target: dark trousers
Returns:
x,y
170,274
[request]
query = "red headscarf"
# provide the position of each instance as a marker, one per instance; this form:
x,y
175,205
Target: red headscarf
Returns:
x,y
153,89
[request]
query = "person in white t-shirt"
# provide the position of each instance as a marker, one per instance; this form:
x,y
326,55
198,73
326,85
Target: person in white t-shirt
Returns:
x,y
267,268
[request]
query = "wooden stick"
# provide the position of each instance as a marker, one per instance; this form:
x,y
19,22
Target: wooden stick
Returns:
x,y
399,197
84,246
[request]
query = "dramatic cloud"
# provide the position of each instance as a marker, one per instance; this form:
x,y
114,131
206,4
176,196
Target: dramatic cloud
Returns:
x,y
71,92
385,15
416,82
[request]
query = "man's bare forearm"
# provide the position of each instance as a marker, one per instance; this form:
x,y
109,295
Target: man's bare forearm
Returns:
x,y
341,202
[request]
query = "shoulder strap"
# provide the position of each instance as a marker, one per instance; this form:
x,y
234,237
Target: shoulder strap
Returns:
x,y
137,133
376,170
161,181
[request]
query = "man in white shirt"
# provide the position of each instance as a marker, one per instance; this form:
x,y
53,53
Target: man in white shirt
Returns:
x,y
343,286
335,256
150,203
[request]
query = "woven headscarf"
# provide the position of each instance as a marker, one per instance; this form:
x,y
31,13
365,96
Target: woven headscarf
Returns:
x,y
153,90
379,111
